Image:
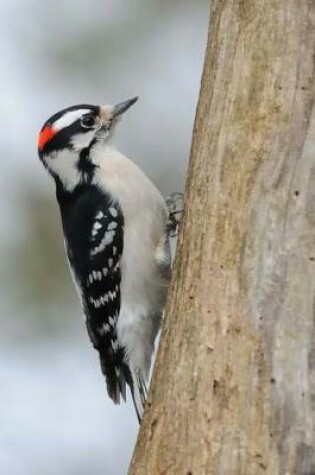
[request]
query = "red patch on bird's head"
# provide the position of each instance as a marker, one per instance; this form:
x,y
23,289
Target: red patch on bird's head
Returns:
x,y
45,135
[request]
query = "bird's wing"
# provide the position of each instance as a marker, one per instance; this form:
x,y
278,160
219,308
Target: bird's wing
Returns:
x,y
101,296
94,247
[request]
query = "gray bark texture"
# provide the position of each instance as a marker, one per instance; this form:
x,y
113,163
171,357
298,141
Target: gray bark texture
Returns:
x,y
233,390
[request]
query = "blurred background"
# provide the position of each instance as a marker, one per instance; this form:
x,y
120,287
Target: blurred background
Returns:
x,y
55,416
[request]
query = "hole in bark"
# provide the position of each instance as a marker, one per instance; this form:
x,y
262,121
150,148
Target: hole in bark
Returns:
x,y
215,385
297,193
272,380
312,258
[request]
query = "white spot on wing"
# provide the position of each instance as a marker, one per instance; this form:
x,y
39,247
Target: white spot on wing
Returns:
x,y
112,295
112,225
113,212
107,239
97,225
111,321
104,329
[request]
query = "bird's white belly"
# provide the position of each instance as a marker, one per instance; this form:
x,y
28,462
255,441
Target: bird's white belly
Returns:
x,y
140,306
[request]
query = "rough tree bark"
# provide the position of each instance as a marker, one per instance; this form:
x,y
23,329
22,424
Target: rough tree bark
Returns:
x,y
233,390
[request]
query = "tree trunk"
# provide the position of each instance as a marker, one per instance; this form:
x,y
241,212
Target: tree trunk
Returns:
x,y
233,390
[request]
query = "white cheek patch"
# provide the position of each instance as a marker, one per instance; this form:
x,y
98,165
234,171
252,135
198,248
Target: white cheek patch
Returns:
x,y
82,140
64,164
69,118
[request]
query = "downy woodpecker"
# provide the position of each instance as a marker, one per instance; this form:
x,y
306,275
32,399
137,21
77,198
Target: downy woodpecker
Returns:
x,y
115,231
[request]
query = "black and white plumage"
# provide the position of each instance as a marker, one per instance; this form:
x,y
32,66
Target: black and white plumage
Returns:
x,y
115,228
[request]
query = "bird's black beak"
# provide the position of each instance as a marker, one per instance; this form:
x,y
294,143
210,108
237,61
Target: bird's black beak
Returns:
x,y
110,115
122,107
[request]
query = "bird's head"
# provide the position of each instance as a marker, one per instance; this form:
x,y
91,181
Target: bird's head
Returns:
x,y
67,138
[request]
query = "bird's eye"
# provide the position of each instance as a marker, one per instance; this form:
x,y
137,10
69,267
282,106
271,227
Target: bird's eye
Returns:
x,y
88,121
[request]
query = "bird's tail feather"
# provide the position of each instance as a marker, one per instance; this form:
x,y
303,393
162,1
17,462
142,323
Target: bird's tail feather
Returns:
x,y
139,393
116,379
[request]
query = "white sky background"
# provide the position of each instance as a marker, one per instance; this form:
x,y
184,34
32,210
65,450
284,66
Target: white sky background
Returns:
x,y
55,416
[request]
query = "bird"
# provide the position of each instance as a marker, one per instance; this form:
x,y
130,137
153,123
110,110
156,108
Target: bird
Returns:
x,y
114,223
